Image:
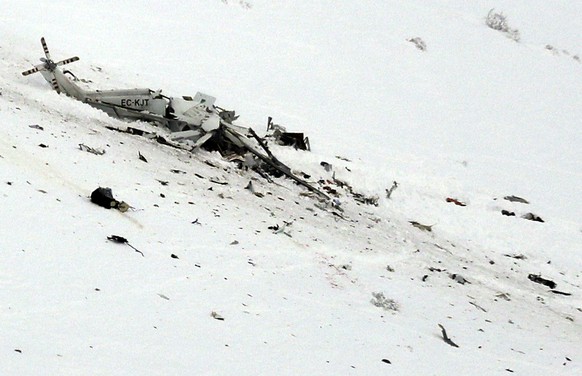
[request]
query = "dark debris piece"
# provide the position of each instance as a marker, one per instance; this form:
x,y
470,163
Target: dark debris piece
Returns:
x,y
455,201
538,279
533,217
560,292
508,213
446,338
104,198
122,240
516,199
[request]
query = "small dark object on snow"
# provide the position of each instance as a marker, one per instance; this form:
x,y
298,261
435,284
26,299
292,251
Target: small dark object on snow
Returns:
x,y
216,316
328,167
518,257
104,198
533,217
560,292
386,361
421,226
389,191
455,201
436,269
36,126
446,337
141,157
163,182
43,145
122,240
458,278
538,279
516,199
175,171
509,370
424,277
18,351
174,256
508,213
91,150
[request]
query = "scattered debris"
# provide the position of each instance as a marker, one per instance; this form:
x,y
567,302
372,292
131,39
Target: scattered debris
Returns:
x,y
36,126
455,201
381,301
478,306
251,188
538,279
91,150
437,270
446,337
104,198
282,137
327,166
141,157
533,217
560,292
389,191
122,240
216,316
418,42
342,158
504,296
281,229
458,278
516,199
508,213
518,257
421,226
212,180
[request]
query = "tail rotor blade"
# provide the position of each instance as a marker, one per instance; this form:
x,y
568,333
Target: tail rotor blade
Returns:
x,y
33,70
45,48
67,61
55,85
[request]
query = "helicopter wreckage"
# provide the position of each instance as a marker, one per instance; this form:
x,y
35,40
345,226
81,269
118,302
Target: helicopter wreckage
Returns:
x,y
193,122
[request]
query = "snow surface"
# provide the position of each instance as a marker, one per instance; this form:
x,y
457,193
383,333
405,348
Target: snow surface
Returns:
x,y
475,117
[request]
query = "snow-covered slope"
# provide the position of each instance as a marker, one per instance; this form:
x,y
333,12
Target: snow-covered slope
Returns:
x,y
475,117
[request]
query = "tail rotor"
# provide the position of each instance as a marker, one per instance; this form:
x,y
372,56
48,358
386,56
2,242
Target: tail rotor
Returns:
x,y
49,66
